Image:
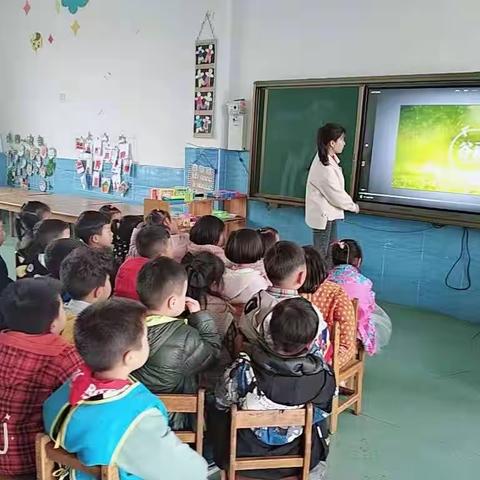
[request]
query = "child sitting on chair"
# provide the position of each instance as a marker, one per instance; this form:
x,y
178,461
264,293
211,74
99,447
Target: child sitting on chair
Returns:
x,y
180,348
332,301
103,416
208,235
152,241
85,276
245,275
286,269
163,219
94,229
282,376
205,280
34,361
374,325
30,260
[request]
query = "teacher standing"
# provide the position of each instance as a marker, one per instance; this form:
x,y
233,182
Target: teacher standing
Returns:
x,y
326,198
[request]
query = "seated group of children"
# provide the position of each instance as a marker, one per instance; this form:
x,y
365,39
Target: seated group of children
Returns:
x,y
247,318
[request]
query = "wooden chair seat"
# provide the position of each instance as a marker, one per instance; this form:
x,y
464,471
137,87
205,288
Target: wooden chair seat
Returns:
x,y
186,403
351,374
241,419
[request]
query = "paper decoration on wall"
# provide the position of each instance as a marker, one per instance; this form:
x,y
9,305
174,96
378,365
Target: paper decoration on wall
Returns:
x,y
106,182
202,179
26,8
109,164
205,81
36,41
50,39
75,26
58,5
25,161
74,5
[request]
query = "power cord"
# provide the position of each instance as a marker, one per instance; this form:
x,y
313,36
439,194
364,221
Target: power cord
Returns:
x,y
465,250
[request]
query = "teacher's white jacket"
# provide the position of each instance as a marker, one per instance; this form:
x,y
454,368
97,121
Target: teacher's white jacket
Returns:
x,y
326,198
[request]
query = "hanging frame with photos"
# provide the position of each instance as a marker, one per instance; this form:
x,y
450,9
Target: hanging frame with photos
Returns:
x,y
205,82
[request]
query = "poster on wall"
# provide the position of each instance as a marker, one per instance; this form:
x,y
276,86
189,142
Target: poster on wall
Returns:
x,y
205,82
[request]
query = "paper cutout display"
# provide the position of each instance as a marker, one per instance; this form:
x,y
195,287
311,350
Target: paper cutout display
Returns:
x,y
36,41
106,182
74,5
58,5
50,39
96,179
24,161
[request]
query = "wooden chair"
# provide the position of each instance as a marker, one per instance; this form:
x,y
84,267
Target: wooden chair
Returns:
x,y
351,374
47,456
183,403
270,418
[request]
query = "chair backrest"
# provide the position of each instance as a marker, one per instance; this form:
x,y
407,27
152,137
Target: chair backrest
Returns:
x,y
336,340
271,418
47,456
185,403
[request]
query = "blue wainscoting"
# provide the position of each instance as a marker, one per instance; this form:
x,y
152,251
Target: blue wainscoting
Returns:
x,y
407,261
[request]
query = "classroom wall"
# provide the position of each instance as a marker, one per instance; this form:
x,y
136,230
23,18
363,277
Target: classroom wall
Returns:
x,y
130,70
281,39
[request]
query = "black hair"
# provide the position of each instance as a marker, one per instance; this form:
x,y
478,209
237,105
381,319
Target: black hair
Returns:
x,y
30,214
207,231
158,279
152,241
327,133
269,237
346,252
293,326
84,270
56,252
317,271
44,232
105,331
282,260
124,228
90,223
205,271
109,210
244,246
31,305
157,217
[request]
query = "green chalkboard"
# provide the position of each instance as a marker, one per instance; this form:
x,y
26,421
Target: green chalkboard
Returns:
x,y
287,123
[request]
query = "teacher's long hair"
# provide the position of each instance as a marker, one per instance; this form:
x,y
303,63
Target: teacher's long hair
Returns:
x,y
327,133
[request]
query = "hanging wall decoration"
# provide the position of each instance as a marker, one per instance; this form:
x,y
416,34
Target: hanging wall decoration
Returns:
x,y
104,165
75,26
36,40
205,81
29,160
74,5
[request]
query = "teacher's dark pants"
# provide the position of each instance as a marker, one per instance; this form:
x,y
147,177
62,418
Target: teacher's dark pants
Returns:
x,y
322,239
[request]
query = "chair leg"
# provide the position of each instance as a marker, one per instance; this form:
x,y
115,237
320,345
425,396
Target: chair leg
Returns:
x,y
44,465
357,410
334,415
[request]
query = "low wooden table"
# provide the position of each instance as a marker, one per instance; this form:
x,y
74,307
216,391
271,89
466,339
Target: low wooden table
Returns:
x,y
64,207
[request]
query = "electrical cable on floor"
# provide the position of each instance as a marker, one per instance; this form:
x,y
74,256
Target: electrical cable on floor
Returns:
x,y
465,250
391,231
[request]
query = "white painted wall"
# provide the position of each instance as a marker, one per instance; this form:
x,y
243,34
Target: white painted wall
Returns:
x,y
147,46
284,39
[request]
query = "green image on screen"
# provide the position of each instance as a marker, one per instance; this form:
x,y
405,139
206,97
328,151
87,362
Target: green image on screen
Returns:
x,y
438,149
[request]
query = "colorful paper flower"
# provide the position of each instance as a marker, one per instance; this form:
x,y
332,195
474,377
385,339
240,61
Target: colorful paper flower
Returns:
x,y
74,5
